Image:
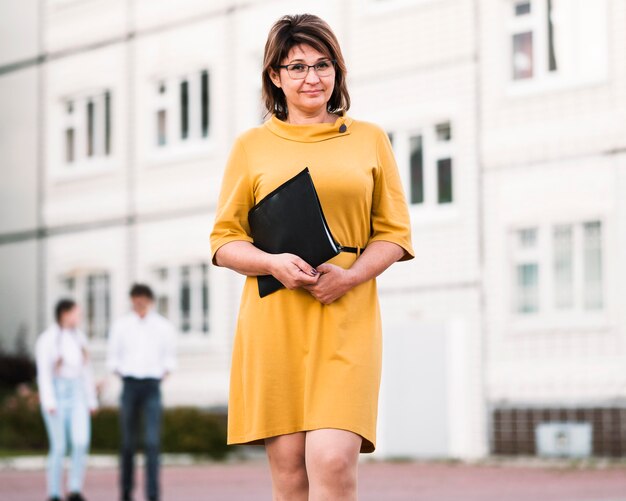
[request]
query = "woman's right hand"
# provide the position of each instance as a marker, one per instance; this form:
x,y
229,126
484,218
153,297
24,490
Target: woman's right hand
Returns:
x,y
292,271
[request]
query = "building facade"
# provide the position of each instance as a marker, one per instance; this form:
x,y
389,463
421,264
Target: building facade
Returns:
x,y
117,119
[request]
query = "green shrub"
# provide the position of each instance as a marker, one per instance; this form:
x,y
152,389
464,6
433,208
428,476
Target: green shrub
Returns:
x,y
21,422
194,431
105,430
184,429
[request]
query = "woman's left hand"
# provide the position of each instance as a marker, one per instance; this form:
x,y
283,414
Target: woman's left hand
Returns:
x,y
333,283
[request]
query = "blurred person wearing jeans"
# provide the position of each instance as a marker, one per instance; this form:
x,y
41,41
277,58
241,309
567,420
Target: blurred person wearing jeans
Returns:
x,y
67,394
142,351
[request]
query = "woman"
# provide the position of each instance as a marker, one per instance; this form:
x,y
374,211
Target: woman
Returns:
x,y
67,396
307,359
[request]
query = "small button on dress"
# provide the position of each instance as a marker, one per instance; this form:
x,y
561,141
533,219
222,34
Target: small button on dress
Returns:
x,y
297,364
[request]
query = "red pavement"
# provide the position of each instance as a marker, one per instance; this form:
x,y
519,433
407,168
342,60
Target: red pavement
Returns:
x,y
377,482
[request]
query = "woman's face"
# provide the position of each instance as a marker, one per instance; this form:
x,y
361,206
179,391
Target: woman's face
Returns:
x,y
310,93
71,318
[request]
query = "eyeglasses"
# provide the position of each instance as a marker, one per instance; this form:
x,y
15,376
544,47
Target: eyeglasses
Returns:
x,y
298,71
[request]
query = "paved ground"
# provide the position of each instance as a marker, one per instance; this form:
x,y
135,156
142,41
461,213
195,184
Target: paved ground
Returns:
x,y
377,482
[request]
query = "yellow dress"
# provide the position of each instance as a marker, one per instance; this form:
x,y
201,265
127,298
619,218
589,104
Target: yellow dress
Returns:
x,y
298,364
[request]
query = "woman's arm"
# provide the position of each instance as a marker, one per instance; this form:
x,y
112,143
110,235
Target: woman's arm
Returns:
x,y
45,368
335,281
245,258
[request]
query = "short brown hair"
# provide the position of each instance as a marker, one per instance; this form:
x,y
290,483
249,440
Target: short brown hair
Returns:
x,y
63,306
290,31
141,290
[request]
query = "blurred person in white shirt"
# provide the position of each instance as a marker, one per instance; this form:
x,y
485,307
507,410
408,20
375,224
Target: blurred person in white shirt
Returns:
x,y
142,351
67,395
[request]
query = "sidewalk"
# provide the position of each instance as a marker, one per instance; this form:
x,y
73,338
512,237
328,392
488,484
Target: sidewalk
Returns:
x,y
378,481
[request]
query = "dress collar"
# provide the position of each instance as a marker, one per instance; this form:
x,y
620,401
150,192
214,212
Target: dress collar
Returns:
x,y
310,133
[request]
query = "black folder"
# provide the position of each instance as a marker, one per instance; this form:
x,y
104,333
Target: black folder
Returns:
x,y
290,219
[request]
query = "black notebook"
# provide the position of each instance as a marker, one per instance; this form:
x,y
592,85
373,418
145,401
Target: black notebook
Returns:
x,y
290,219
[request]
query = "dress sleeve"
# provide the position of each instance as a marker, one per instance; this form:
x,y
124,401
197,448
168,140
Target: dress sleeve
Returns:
x,y
236,198
390,214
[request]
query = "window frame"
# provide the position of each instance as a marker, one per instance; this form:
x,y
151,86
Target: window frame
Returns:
x,y
433,150
548,315
84,165
171,288
79,292
176,147
574,75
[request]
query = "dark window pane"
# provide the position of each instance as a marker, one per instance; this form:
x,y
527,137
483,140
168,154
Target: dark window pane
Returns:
x,y
184,109
443,131
163,305
69,145
592,262
107,123
185,299
205,298
563,265
91,306
417,170
527,238
522,8
107,305
551,49
444,180
205,103
70,283
522,55
90,128
527,282
161,127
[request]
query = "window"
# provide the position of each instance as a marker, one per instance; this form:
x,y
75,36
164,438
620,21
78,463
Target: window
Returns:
x,y
182,295
444,180
416,163
526,271
592,265
182,109
563,266
523,55
86,128
427,161
557,40
558,269
522,8
204,102
161,115
92,292
161,295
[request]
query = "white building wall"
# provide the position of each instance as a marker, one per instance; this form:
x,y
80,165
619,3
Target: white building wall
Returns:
x,y
553,152
522,154
20,165
143,208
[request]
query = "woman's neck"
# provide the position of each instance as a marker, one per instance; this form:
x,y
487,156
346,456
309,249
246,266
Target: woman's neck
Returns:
x,y
322,116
